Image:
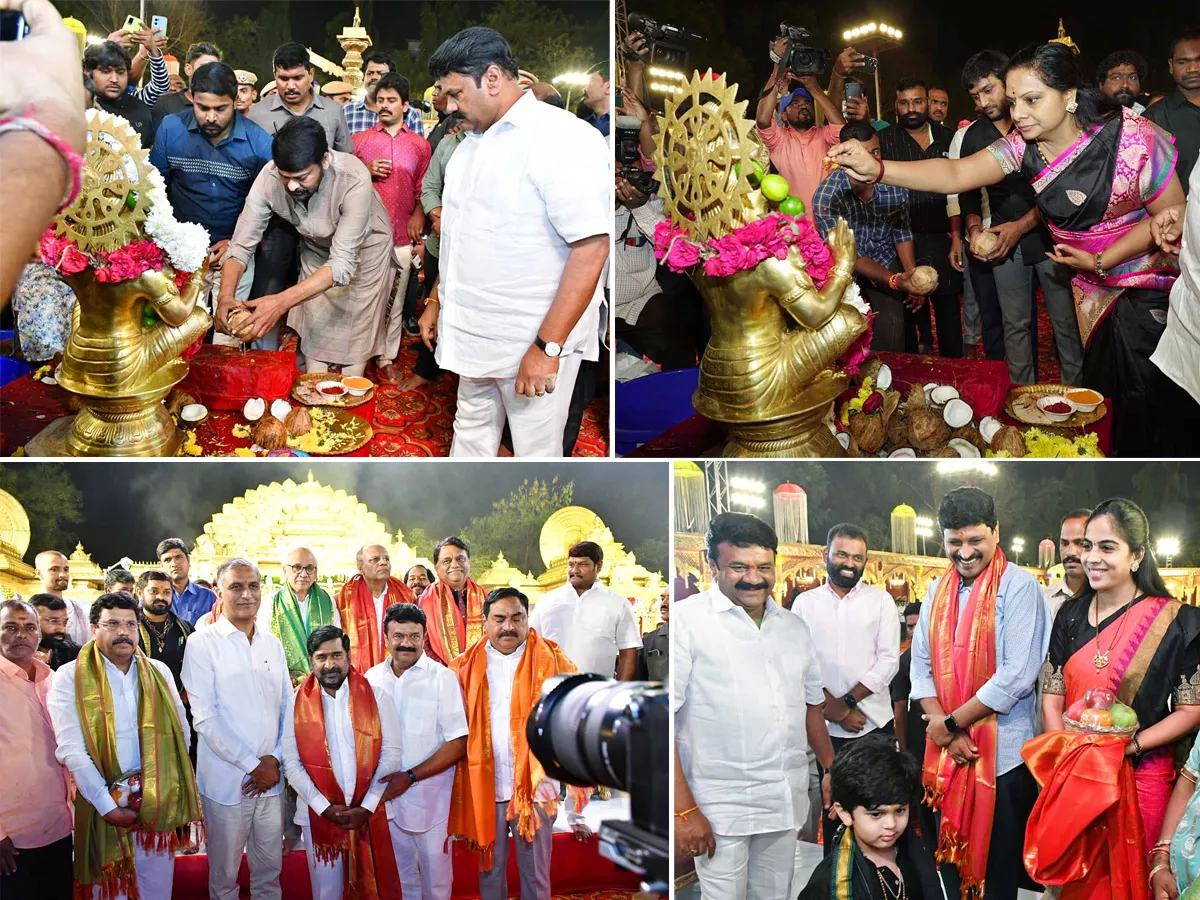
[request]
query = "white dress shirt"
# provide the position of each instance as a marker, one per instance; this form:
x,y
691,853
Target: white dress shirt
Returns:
x,y
739,693
515,198
857,639
1057,593
590,627
267,611
78,626
339,738
429,706
240,693
72,747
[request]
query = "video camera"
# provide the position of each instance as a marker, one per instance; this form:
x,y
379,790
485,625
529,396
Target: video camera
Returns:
x,y
628,159
653,32
799,56
589,730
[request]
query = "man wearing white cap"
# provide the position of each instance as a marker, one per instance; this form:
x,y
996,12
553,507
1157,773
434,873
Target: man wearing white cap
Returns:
x,y
339,91
247,92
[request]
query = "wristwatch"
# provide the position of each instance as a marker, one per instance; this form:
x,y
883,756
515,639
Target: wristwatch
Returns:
x,y
851,701
952,725
550,348
412,776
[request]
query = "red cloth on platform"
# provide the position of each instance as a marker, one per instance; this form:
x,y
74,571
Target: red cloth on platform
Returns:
x,y
226,377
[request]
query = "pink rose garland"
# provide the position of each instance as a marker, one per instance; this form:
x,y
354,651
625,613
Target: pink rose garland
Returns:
x,y
745,247
123,264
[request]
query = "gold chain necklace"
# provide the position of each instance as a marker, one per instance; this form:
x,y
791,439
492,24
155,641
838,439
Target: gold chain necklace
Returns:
x,y
1042,153
160,638
1100,660
887,891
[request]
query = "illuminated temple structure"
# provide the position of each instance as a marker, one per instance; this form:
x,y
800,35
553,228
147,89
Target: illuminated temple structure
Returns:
x,y
267,521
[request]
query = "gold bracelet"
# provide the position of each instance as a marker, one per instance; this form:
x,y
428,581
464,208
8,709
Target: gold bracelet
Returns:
x,y
1161,867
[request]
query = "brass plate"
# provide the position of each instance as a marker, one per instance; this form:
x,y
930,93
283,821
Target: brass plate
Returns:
x,y
305,390
1021,404
342,432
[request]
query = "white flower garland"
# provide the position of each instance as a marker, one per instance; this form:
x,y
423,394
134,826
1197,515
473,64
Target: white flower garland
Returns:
x,y
853,297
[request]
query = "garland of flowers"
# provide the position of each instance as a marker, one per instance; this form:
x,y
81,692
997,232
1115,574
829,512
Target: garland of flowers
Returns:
x,y
1043,445
745,247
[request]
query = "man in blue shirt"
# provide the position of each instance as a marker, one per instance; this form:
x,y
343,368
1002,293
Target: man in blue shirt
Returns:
x,y
209,156
597,98
189,601
1019,617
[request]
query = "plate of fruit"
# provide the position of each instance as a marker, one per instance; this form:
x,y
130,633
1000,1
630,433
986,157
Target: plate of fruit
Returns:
x,y
1099,712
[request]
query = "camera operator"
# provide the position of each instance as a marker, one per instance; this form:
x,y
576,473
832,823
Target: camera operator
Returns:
x,y
798,146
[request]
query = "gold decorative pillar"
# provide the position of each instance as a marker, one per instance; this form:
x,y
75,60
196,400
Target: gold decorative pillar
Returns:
x,y
354,40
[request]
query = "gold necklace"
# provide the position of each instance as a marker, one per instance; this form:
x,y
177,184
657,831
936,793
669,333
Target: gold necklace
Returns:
x,y
160,638
1042,153
1100,660
887,891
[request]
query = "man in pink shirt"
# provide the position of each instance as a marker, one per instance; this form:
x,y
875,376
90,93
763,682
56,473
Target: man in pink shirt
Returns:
x,y
798,146
397,159
35,819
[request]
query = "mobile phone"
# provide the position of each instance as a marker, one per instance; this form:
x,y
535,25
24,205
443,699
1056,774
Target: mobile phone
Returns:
x,y
133,23
12,25
158,24
853,89
869,63
619,103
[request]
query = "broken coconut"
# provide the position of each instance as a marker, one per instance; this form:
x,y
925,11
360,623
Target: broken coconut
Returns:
x,y
971,435
298,422
280,408
1010,439
984,243
903,453
883,378
943,394
254,409
988,426
270,433
964,448
957,413
843,438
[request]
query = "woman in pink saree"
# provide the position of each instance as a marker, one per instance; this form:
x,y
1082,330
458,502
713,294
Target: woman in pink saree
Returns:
x,y
1099,172
1125,634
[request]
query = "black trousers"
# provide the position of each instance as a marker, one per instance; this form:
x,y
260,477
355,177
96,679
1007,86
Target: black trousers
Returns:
x,y
991,320
1016,792
827,825
887,332
277,259
43,873
948,310
426,366
671,328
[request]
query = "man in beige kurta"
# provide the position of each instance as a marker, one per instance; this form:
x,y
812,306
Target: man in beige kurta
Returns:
x,y
343,226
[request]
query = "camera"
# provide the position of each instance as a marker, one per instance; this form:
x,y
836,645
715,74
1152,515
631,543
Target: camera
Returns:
x,y
799,56
589,730
653,32
628,159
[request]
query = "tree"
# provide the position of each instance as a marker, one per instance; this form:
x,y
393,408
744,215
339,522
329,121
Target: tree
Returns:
x,y
250,44
514,526
52,502
421,543
652,553
541,37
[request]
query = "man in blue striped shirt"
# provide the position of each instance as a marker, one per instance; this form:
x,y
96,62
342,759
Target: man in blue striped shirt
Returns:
x,y
971,536
878,215
361,115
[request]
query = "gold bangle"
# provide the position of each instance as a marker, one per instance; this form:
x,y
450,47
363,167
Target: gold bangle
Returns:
x,y
1161,867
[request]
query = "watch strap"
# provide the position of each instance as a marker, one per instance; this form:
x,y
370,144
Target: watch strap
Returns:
x,y
851,701
412,776
952,724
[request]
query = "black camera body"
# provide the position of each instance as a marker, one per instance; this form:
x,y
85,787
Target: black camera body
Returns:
x,y
589,730
628,159
801,58
654,32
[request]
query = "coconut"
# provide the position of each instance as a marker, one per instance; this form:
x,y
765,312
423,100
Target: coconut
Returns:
x,y
236,319
868,431
298,421
916,398
924,280
280,408
178,399
988,426
929,389
1010,439
963,448
984,243
883,378
903,453
969,434
957,413
946,452
897,431
254,409
270,433
943,394
926,429
843,438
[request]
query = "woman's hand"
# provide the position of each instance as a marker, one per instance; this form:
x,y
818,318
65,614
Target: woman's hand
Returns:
x,y
1167,229
1077,259
856,160
1162,886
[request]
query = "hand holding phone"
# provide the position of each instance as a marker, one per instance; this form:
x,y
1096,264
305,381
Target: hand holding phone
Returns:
x,y
158,24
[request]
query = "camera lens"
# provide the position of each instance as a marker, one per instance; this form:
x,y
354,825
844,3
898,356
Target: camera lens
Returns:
x,y
580,728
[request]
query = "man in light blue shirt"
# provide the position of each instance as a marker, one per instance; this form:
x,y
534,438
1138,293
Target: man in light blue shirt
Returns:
x,y
189,601
1022,628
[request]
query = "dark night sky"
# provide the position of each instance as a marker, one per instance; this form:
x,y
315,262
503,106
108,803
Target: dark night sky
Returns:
x,y
1031,496
939,35
129,507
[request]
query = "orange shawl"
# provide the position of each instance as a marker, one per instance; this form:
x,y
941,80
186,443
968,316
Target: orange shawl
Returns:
x,y
963,659
473,803
357,608
446,634
1085,831
370,871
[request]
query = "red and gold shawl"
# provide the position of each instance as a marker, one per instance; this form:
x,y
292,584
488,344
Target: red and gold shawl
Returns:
x,y
370,865
356,605
962,651
445,631
473,803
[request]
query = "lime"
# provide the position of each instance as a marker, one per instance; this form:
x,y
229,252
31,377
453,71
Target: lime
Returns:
x,y
755,173
774,187
792,206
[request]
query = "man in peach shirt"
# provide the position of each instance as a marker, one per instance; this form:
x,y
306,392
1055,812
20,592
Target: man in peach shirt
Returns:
x,y
35,818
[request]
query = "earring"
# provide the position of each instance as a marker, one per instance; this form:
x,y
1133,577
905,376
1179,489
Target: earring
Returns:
x,y
1134,567
1072,106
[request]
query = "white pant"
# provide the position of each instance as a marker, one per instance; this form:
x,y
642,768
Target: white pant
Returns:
x,y
749,867
155,874
327,878
426,870
537,423
254,825
395,313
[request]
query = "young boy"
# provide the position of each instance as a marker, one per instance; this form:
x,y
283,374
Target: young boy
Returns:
x,y
875,853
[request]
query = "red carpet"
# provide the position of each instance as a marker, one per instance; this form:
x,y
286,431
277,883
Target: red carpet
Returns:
x,y
576,870
1049,369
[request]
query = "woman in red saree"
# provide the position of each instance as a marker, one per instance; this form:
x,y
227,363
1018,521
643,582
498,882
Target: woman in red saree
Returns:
x,y
1125,634
1099,173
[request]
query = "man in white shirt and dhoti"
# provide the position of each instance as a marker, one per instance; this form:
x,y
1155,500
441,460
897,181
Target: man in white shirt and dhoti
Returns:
x,y
747,699
346,264
525,225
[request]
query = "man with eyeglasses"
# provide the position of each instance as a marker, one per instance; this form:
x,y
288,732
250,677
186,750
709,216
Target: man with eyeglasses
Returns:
x,y
363,601
298,608
856,633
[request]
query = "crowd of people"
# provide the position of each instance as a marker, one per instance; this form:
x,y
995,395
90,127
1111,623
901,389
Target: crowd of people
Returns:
x,y
1060,185
374,725
481,244
914,748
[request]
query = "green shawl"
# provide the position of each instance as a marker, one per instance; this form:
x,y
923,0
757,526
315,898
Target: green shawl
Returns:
x,y
287,624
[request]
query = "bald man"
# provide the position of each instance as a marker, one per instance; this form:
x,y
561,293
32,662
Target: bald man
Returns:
x,y
298,608
363,601
54,571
